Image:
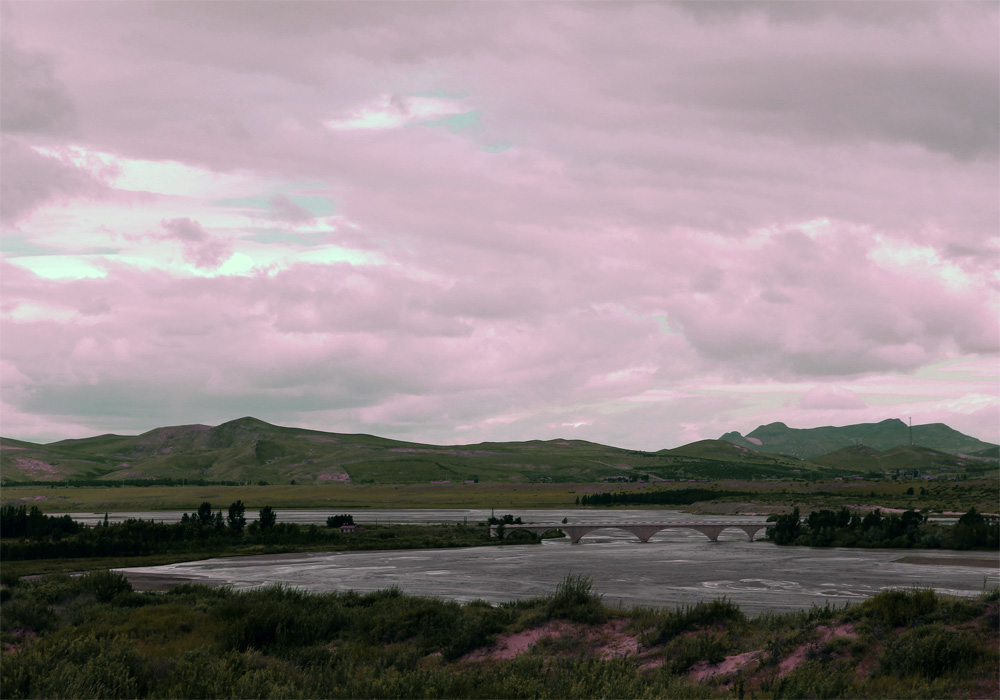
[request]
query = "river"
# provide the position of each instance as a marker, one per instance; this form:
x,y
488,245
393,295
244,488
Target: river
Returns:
x,y
674,567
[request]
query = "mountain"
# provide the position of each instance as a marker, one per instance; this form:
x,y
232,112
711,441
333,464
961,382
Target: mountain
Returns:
x,y
807,443
861,459
250,450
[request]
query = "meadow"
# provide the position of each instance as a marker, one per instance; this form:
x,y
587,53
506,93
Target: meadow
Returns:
x,y
757,495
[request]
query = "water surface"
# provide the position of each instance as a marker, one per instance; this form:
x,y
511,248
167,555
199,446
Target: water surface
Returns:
x,y
674,567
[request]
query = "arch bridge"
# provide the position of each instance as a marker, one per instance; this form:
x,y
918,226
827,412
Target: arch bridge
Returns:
x,y
575,531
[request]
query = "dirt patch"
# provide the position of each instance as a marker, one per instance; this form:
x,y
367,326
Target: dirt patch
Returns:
x,y
37,468
798,656
703,671
612,641
607,641
21,637
11,447
510,645
327,477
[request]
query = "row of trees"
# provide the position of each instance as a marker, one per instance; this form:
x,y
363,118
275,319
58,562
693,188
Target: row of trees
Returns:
x,y
236,519
109,483
33,535
844,528
676,497
19,521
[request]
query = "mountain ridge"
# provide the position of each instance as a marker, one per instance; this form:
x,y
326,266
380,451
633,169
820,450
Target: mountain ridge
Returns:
x,y
249,450
807,443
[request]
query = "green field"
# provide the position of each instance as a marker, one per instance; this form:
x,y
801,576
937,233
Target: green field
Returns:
x,y
765,496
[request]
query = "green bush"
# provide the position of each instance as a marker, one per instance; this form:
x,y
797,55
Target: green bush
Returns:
x,y
685,651
575,600
897,608
721,611
930,652
106,584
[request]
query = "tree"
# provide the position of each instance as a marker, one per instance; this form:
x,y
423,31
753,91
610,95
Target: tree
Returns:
x,y
339,520
969,531
236,518
267,518
205,513
786,527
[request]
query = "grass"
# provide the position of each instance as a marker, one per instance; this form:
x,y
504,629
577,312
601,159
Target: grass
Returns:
x,y
956,496
93,636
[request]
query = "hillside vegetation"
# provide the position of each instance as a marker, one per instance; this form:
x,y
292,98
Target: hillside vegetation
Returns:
x,y
94,637
250,451
806,443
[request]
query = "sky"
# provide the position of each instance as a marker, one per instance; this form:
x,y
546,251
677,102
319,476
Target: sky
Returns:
x,y
640,224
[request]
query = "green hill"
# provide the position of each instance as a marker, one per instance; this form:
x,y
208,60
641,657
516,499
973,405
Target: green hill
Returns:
x,y
907,458
250,450
808,443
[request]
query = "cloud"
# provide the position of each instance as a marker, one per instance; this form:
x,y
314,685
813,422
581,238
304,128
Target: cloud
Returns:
x,y
831,397
32,179
33,99
706,217
287,210
200,249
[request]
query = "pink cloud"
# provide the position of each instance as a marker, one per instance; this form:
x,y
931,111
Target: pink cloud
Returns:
x,y
831,397
652,202
200,249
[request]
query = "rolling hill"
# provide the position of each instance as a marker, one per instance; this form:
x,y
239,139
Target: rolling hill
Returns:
x,y
907,458
250,450
808,443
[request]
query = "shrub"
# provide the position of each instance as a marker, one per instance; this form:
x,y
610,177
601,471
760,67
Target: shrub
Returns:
x,y
575,600
898,608
930,651
685,652
106,584
720,611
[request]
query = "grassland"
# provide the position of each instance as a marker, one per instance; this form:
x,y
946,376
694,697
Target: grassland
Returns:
x,y
765,496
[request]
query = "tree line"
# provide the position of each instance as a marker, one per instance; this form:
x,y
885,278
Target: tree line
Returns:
x,y
111,483
20,521
676,497
29,534
846,528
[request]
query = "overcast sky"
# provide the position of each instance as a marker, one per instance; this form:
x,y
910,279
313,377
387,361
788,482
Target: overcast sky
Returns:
x,y
640,224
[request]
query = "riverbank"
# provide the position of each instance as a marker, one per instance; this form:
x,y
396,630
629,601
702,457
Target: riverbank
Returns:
x,y
294,539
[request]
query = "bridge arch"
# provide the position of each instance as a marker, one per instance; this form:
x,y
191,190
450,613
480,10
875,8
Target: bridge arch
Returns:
x,y
576,531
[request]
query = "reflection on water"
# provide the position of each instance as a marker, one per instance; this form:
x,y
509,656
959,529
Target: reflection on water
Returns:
x,y
675,567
